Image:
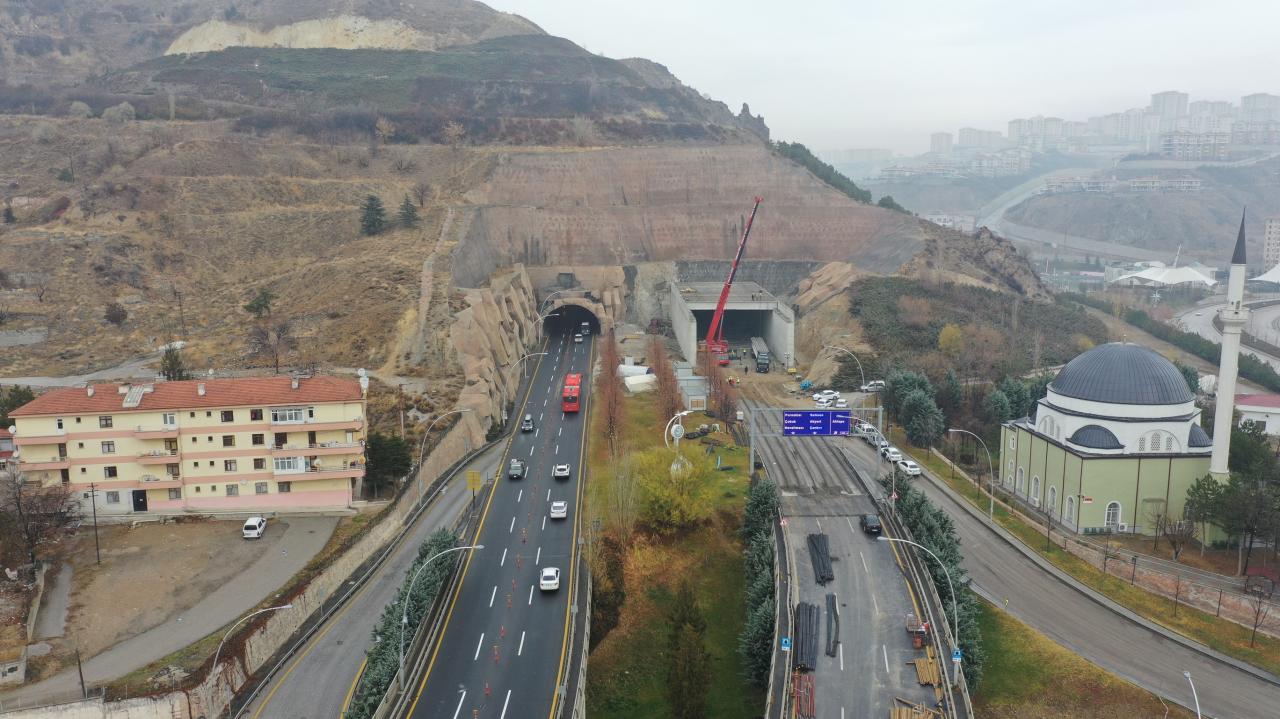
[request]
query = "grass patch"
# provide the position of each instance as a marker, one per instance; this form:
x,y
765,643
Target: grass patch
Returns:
x,y
1219,634
626,676
1028,676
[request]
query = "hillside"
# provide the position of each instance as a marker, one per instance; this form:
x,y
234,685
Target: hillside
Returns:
x,y
1202,223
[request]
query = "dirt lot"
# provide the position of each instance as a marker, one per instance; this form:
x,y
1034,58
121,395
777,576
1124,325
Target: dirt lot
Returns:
x,y
147,575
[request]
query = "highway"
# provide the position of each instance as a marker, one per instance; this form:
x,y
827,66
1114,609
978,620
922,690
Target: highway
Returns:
x,y
1086,627
820,494
1264,323
502,648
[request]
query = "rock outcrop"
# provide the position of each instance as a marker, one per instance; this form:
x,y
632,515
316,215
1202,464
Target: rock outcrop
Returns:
x,y
497,326
983,259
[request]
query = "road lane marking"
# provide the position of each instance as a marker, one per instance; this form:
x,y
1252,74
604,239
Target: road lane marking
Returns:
x,y
885,652
461,699
874,603
531,595
531,452
544,522
544,403
478,645
864,563
520,650
503,561
519,496
538,558
560,431
504,705
351,691
493,594
540,416
841,646
557,449
548,495
537,431
512,528
819,521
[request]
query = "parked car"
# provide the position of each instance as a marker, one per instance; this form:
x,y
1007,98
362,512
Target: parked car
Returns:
x,y
825,394
891,453
823,403
909,468
880,443
254,527
586,329
870,523
526,424
560,471
517,469
874,385
549,580
559,509
577,338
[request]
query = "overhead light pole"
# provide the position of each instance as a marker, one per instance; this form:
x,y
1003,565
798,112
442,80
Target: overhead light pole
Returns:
x,y
991,469
1194,695
423,446
218,653
861,375
404,615
955,631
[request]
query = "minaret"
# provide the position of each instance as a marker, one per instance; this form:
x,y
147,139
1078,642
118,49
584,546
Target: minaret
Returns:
x,y
1234,317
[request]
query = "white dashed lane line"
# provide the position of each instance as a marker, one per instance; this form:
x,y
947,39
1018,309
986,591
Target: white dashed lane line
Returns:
x,y
520,650
544,522
536,560
519,496
461,699
548,495
478,645
530,595
504,705
493,594
503,561
511,529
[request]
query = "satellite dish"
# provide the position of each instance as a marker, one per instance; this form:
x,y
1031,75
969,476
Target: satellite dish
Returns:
x,y
13,429
210,371
361,372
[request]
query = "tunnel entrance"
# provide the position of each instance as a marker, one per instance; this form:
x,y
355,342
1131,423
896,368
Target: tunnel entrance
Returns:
x,y
751,311
568,319
739,325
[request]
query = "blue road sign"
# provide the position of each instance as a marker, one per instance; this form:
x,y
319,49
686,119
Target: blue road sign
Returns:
x,y
816,422
955,655
786,644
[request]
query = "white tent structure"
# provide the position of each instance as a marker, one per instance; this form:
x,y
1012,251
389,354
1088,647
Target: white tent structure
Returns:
x,y
1167,277
1271,275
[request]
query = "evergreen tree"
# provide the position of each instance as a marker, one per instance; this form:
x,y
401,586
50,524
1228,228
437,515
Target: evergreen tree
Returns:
x,y
689,674
755,643
1190,374
952,394
9,219
389,459
1016,392
373,216
898,385
684,613
13,399
408,213
996,407
260,305
172,367
922,419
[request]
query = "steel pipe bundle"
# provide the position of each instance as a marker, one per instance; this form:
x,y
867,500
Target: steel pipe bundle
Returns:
x,y
806,629
820,554
833,625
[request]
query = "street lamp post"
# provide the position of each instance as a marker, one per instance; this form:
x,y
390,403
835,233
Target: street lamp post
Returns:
x,y
861,375
527,356
1194,696
955,630
218,653
991,469
404,615
423,446
680,464
666,433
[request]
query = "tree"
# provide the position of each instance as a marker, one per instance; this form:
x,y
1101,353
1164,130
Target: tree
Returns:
x,y
684,612
898,385
888,203
951,394
1190,374
454,133
668,389
1261,608
755,643
996,407
1248,509
388,458
272,341
172,368
115,313
421,191
119,114
622,508
609,395
1016,392
408,213
32,514
951,341
922,419
1203,503
79,110
373,216
13,399
688,675
9,219
260,305
1179,532
672,495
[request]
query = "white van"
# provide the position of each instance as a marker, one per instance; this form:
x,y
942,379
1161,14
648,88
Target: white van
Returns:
x,y
254,527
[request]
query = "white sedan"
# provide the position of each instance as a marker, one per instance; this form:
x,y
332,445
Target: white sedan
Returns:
x,y
827,394
560,471
909,468
549,580
559,509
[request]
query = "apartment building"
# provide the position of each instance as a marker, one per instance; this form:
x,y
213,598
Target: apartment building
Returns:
x,y
1270,247
6,448
1196,145
249,444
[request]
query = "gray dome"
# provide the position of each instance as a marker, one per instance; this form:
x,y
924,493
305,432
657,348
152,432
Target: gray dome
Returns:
x,y
1199,438
1120,373
1095,436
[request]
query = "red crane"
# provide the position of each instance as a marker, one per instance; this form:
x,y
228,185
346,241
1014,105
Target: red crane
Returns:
x,y
715,333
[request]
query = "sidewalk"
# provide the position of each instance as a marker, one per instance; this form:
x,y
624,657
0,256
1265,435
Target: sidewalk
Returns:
x,y
303,538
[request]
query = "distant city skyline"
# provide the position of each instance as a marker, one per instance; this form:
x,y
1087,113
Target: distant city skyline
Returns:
x,y
837,75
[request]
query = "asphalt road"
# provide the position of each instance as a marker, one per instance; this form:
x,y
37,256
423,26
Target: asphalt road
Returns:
x,y
503,643
1264,322
820,495
1091,630
318,680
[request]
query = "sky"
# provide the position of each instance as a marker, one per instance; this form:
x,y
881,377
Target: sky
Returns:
x,y
857,74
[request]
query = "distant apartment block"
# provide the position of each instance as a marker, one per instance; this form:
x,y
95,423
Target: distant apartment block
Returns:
x,y
1260,107
1271,243
1168,107
251,444
1255,133
1057,185
1159,184
940,143
973,137
1180,145
6,448
963,223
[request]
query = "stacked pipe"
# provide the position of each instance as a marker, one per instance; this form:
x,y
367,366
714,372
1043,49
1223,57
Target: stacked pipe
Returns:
x,y
820,554
806,630
833,625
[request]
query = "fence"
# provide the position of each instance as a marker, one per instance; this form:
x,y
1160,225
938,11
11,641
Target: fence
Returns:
x,y
1209,592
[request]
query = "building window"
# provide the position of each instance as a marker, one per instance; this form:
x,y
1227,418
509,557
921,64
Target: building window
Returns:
x,y
1112,520
259,463
113,498
1142,444
1035,487
197,489
192,414
233,490
194,440
211,463
228,465
108,447
228,415
311,412
175,493
169,419
1021,479
255,415
258,440
59,423
82,470
208,413
195,465
1071,510
259,487
79,445
110,472
284,487
1013,441
1053,500
172,470
1168,443
104,422
290,464
228,440
287,414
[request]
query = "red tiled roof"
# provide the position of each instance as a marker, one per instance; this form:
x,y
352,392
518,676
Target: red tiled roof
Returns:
x,y
238,392
1258,400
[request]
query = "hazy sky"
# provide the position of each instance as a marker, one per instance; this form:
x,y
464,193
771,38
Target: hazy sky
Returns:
x,y
843,74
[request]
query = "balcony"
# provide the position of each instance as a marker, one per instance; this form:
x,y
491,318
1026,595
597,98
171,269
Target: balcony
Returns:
x,y
163,481
334,471
313,425
321,448
28,464
158,456
167,431
58,436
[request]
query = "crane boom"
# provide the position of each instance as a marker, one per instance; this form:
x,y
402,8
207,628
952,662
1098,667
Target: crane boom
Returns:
x,y
715,333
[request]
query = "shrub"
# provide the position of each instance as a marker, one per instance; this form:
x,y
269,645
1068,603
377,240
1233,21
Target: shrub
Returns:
x,y
115,313
119,114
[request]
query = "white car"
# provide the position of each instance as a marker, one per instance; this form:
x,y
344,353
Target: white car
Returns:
x,y
874,385
842,403
891,453
559,509
577,338
560,471
823,403
254,527
909,468
549,580
828,394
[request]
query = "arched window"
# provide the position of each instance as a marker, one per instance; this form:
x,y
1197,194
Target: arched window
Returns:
x,y
1070,515
1142,444
1035,487
1021,481
1053,500
1168,443
1008,479
1112,520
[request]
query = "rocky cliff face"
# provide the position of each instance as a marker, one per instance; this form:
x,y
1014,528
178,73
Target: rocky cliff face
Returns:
x,y
496,327
983,259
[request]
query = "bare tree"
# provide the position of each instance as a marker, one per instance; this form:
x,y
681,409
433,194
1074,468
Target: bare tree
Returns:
x,y
454,133
1261,608
421,191
623,498
404,165
1179,533
1110,551
272,341
1157,519
668,389
609,389
31,514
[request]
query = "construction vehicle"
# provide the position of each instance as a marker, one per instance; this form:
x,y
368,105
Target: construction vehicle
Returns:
x,y
760,351
716,346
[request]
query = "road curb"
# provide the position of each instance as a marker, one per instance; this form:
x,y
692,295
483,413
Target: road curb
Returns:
x,y
1097,598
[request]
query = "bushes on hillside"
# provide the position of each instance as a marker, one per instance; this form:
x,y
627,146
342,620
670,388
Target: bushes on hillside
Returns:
x,y
755,643
800,154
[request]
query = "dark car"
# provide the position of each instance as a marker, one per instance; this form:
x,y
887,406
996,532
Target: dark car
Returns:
x,y
870,523
517,469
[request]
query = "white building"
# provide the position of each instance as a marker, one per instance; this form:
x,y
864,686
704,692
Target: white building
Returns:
x,y
1271,243
1263,409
